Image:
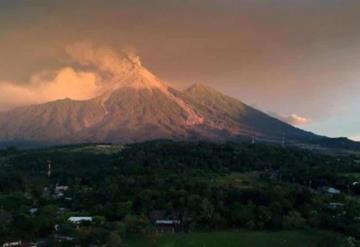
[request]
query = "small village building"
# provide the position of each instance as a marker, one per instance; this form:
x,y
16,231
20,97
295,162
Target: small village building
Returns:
x,y
64,238
11,244
331,190
59,191
61,188
164,222
168,226
19,243
62,210
46,192
80,219
33,211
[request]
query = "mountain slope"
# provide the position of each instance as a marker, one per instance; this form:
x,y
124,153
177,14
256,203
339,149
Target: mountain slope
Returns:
x,y
253,121
137,115
50,121
137,106
130,114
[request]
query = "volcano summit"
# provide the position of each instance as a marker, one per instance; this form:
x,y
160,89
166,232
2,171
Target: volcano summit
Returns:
x,y
138,106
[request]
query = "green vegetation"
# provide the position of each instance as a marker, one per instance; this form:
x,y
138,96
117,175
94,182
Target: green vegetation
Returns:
x,y
228,191
239,239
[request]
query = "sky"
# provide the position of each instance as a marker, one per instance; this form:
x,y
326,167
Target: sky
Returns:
x,y
297,60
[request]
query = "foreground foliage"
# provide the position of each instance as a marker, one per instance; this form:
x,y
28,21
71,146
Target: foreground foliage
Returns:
x,y
244,239
209,186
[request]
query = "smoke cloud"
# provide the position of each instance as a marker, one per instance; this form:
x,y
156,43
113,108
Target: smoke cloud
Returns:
x,y
104,59
92,71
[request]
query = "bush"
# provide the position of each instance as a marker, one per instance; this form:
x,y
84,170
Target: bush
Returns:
x,y
114,240
294,220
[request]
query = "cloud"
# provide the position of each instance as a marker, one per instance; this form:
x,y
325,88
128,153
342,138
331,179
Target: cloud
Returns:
x,y
355,138
47,86
93,70
292,119
104,59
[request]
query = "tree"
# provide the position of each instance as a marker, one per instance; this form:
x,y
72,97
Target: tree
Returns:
x,y
264,215
294,220
153,238
135,224
114,240
207,209
242,213
5,219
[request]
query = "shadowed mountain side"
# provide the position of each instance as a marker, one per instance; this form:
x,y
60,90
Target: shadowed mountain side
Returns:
x,y
228,111
51,121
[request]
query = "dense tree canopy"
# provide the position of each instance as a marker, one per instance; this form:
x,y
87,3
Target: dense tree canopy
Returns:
x,y
206,185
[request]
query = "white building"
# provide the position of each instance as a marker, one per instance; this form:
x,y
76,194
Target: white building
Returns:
x,y
331,190
61,189
80,219
10,244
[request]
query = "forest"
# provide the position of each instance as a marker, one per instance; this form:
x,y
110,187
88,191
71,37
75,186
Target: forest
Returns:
x,y
207,187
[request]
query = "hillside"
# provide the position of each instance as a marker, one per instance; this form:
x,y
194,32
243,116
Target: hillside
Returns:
x,y
138,106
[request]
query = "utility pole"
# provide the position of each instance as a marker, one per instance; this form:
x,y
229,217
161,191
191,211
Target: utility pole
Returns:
x,y
49,168
283,142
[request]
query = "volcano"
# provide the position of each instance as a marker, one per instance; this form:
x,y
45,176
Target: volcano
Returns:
x,y
140,107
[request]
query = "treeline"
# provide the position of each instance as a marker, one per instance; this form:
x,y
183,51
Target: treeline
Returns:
x,y
208,186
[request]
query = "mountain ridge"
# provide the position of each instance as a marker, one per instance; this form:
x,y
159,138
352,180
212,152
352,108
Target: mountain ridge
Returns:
x,y
137,106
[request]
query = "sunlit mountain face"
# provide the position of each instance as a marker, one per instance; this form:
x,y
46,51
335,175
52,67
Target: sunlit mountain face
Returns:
x,y
132,104
121,101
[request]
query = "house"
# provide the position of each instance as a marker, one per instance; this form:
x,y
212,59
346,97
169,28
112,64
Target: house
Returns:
x,y
80,219
62,210
19,243
64,238
11,244
46,192
164,222
331,190
60,190
33,211
168,225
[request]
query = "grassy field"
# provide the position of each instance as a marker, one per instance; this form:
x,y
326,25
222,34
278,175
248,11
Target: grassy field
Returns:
x,y
235,239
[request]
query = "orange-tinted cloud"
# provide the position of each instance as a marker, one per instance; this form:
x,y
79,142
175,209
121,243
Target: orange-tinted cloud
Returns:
x,y
355,138
104,59
43,87
293,119
95,70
